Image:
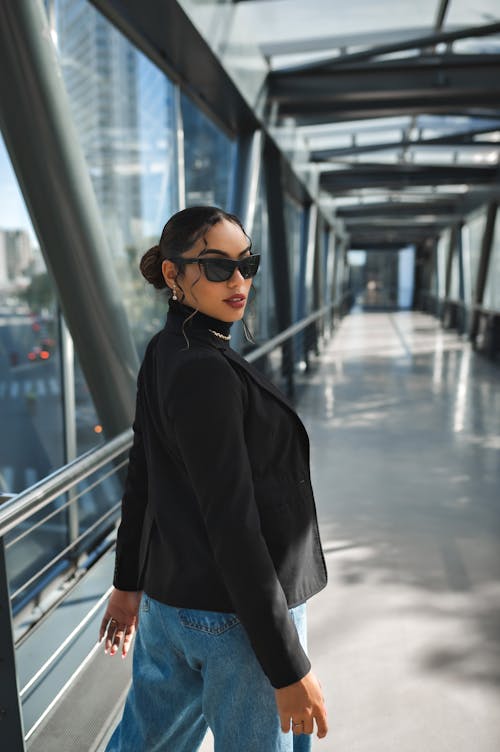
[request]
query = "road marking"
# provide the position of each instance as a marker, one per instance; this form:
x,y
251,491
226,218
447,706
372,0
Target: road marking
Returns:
x,y
25,387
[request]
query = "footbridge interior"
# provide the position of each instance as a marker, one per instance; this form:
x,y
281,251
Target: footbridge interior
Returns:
x,y
360,146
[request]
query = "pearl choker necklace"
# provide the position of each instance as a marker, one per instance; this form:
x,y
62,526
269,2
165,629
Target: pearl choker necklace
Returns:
x,y
227,337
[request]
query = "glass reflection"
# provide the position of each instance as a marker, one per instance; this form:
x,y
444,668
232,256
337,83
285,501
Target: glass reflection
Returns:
x,y
262,310
492,290
124,111
31,440
208,158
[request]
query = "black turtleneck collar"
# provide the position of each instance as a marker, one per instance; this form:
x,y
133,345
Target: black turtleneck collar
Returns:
x,y
199,325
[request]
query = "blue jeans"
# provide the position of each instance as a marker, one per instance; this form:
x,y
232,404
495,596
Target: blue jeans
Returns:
x,y
193,669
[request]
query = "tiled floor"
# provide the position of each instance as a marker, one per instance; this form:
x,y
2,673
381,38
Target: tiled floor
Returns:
x,y
404,421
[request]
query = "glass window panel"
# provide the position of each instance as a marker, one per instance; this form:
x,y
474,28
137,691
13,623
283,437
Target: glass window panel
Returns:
x,y
97,494
477,46
454,293
332,23
442,255
124,111
491,298
27,554
31,440
327,141
406,277
238,52
368,137
382,157
294,220
465,13
466,262
340,265
475,226
208,158
375,284
88,428
432,156
262,308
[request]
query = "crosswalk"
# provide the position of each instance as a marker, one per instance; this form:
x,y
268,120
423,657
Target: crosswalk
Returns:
x,y
29,388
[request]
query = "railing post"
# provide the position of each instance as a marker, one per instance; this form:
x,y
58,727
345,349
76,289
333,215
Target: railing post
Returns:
x,y
11,720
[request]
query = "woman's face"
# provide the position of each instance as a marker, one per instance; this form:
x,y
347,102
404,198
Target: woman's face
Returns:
x,y
223,240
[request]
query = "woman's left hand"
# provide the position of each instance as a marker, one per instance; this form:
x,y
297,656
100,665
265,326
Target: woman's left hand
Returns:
x,y
120,620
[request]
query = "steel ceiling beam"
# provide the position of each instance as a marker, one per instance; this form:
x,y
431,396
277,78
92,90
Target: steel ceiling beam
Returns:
x,y
349,115
397,177
396,208
442,10
407,221
430,40
397,236
444,83
464,138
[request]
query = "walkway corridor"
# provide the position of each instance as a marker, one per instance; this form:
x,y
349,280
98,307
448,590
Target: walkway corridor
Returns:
x,y
404,422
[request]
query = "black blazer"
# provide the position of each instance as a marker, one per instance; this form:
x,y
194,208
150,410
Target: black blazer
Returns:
x,y
218,510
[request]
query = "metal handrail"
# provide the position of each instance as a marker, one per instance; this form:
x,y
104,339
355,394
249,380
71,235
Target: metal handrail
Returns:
x,y
18,508
55,512
66,550
36,497
286,334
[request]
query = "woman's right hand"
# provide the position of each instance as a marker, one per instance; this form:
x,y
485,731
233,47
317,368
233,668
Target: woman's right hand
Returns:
x,y
300,704
120,620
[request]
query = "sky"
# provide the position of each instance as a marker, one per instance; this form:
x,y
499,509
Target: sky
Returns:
x,y
13,214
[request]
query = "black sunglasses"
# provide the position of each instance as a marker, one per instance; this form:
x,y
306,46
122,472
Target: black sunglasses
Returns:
x,y
222,269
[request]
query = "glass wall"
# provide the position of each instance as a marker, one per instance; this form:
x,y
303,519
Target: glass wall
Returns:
x,y
124,110
32,436
406,277
472,237
31,439
331,251
442,255
218,22
454,292
261,314
295,227
340,272
491,298
208,158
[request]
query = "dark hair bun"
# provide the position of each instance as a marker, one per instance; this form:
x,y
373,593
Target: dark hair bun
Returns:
x,y
150,266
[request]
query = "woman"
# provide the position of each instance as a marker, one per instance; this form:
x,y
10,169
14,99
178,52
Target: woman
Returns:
x,y
218,547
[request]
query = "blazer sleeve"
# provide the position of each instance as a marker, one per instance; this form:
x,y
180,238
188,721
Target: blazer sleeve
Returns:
x,y
206,409
134,502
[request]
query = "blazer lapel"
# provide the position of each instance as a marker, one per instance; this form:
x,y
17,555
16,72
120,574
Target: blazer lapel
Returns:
x,y
262,381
